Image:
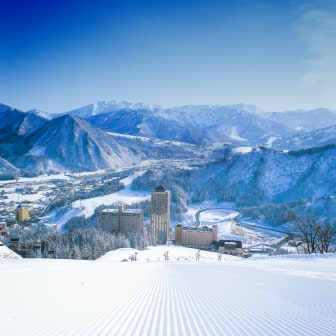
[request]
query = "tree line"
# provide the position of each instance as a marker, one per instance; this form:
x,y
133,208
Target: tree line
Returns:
x,y
316,236
77,243
80,238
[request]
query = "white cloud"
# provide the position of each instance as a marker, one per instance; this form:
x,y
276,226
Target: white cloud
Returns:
x,y
309,80
316,27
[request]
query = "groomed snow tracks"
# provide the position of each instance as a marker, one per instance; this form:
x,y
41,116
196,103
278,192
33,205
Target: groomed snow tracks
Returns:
x,y
166,298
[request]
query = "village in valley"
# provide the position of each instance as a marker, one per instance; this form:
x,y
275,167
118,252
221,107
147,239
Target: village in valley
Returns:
x,y
35,210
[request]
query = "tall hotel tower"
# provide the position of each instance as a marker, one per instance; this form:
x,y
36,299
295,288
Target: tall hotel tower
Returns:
x,y
160,214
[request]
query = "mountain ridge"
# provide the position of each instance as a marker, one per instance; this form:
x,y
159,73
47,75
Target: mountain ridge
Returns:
x,y
86,138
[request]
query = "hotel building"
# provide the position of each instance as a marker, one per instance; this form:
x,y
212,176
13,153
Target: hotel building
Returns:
x,y
21,214
160,214
122,220
196,237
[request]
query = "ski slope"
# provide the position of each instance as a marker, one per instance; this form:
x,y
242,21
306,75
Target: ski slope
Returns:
x,y
272,296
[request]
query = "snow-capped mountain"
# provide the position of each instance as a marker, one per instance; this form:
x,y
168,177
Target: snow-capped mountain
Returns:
x,y
195,124
257,177
13,121
302,120
110,106
230,124
74,143
147,124
69,143
7,170
267,175
10,118
314,138
116,134
222,153
44,114
15,125
238,124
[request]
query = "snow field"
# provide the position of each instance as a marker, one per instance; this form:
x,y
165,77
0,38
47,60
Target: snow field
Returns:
x,y
6,253
124,196
107,297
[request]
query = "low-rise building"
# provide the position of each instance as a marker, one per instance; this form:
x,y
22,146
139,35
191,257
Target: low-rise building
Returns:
x,y
197,237
233,247
122,220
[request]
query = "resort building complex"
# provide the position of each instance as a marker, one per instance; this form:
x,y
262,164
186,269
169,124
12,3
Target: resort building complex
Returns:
x,y
197,237
160,214
122,220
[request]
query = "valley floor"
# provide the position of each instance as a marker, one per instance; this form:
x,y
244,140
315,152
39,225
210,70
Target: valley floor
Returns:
x,y
234,296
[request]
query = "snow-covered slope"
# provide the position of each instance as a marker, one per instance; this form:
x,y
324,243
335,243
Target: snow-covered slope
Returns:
x,y
13,121
216,123
15,125
69,143
316,138
103,107
260,176
196,124
44,114
6,253
7,170
179,297
74,143
302,120
10,118
30,124
224,123
147,124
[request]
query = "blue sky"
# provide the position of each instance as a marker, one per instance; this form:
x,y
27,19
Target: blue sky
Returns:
x,y
57,55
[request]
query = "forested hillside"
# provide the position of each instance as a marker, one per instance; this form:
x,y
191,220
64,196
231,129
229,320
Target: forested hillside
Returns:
x,y
260,178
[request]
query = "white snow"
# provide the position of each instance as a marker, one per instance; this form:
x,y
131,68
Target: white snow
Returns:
x,y
270,141
124,196
40,178
235,135
37,151
242,150
128,136
234,296
220,217
60,216
6,253
290,295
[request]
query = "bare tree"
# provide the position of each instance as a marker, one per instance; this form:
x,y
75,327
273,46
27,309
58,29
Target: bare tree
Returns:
x,y
308,229
326,236
316,236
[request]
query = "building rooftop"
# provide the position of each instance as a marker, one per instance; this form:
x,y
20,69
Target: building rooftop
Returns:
x,y
160,189
197,229
230,242
134,211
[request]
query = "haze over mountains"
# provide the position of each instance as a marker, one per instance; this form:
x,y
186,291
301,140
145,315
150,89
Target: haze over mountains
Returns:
x,y
112,135
85,139
236,122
